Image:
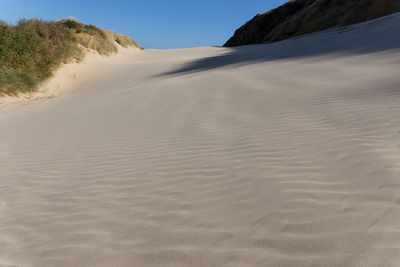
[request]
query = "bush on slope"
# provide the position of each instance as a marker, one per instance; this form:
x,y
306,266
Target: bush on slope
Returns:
x,y
31,50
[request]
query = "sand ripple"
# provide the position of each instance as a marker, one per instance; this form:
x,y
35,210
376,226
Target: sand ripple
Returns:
x,y
278,163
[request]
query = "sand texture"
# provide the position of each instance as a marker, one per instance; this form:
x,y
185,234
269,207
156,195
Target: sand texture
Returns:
x,y
269,155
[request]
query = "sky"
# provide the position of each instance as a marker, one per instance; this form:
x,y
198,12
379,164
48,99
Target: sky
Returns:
x,y
160,24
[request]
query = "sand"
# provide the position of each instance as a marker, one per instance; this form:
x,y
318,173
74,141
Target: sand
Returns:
x,y
269,155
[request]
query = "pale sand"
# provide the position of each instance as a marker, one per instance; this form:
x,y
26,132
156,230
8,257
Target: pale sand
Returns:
x,y
273,155
66,78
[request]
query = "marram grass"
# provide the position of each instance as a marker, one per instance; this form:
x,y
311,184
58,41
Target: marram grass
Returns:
x,y
31,50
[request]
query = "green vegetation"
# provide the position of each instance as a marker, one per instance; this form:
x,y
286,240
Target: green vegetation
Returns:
x,y
325,14
299,17
31,50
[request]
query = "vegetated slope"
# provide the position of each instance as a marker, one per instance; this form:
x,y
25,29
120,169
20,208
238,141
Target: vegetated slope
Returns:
x,y
31,50
299,17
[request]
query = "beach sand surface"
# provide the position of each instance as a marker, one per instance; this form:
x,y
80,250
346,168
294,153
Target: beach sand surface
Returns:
x,y
285,154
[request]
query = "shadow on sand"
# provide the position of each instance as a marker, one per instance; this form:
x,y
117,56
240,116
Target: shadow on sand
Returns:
x,y
380,35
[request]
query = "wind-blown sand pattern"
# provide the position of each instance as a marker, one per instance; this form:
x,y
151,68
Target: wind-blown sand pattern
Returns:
x,y
274,155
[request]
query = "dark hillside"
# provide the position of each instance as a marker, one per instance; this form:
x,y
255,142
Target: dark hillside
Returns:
x,y
299,17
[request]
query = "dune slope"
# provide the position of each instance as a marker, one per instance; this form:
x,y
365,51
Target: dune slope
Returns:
x,y
274,155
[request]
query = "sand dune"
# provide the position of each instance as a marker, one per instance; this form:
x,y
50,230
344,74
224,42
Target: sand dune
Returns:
x,y
273,155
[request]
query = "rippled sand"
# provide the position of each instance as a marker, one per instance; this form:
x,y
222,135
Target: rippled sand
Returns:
x,y
273,155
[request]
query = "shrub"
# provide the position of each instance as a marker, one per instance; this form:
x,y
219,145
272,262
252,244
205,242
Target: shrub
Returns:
x,y
31,50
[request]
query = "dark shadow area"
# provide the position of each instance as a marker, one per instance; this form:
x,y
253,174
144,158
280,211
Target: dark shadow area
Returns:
x,y
380,35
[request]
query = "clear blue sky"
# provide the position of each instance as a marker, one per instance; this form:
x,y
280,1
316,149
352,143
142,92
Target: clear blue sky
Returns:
x,y
160,24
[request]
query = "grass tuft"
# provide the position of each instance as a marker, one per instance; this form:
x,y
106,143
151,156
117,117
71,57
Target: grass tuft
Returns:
x,y
31,50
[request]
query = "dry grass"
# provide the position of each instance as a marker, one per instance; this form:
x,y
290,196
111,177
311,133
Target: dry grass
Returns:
x,y
31,50
121,39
